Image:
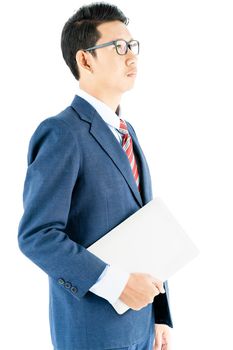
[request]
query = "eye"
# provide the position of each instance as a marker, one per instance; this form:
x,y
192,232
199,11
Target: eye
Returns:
x,y
121,46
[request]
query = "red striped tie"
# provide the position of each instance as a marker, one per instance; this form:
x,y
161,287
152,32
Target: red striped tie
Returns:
x,y
127,145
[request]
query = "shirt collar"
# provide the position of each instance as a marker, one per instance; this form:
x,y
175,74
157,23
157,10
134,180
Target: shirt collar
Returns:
x,y
107,114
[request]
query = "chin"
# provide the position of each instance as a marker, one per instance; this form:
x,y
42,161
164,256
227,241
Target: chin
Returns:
x,y
128,86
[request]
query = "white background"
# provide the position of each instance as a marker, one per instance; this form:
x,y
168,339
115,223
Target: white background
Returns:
x,y
181,109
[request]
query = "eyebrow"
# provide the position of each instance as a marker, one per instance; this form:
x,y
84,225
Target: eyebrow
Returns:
x,y
124,39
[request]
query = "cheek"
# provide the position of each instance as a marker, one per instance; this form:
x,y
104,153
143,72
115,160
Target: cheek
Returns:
x,y
113,63
111,72
111,68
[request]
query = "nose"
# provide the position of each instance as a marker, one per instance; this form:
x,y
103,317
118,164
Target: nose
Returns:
x,y
131,57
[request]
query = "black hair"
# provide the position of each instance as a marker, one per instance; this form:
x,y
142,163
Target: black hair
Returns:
x,y
80,31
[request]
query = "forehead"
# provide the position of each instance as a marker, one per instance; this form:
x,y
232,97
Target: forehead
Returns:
x,y
113,30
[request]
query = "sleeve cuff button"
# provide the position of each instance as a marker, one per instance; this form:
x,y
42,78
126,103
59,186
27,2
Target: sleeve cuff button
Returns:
x,y
73,290
67,285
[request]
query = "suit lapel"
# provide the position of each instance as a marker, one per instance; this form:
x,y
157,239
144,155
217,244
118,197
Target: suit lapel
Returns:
x,y
103,135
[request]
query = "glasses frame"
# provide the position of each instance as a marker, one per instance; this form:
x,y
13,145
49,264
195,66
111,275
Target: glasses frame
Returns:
x,y
114,42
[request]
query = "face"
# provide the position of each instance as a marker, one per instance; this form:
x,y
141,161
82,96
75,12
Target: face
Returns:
x,y
109,68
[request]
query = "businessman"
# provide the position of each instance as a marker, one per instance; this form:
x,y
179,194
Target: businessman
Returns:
x,y
86,174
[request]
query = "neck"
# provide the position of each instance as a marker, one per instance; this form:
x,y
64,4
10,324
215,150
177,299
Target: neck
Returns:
x,y
111,100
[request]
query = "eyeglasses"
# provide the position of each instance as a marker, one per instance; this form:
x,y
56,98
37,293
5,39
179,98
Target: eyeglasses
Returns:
x,y
121,46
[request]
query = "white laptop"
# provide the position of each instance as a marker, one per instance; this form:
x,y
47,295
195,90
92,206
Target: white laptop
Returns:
x,y
150,241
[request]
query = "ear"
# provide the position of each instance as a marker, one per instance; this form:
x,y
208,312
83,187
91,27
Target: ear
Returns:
x,y
84,61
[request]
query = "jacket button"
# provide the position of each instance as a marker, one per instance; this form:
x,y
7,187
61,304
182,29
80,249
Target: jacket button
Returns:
x,y
68,285
74,290
61,281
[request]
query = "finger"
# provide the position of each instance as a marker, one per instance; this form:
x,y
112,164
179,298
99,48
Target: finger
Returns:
x,y
157,347
159,286
166,346
158,343
166,340
156,290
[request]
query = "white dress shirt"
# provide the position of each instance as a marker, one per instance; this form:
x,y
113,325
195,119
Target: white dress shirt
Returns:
x,y
113,280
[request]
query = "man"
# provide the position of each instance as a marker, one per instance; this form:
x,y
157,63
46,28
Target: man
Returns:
x,y
86,174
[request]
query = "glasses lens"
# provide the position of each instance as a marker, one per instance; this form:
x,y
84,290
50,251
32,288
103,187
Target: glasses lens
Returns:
x,y
134,46
121,47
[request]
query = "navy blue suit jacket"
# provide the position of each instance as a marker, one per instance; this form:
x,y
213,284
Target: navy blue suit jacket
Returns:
x,y
78,186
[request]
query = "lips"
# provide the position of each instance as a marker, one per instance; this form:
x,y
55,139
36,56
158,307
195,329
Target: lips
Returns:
x,y
133,72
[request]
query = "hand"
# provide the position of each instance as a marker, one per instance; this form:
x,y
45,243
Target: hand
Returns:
x,y
162,337
140,290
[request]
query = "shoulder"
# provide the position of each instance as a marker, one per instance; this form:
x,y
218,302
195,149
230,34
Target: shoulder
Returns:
x,y
61,122
53,135
59,126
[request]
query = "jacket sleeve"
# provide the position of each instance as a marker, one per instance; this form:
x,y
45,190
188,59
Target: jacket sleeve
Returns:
x,y
53,167
162,307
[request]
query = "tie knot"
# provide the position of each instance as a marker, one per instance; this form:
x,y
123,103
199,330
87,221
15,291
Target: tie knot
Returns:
x,y
123,127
